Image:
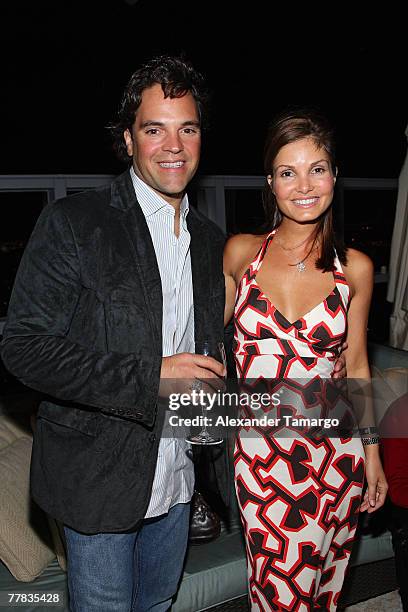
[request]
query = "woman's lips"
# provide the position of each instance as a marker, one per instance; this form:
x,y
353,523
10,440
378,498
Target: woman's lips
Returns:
x,y
306,202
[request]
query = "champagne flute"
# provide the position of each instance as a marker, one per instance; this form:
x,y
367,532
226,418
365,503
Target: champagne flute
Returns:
x,y
217,351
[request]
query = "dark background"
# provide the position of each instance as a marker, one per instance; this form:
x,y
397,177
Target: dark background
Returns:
x,y
64,66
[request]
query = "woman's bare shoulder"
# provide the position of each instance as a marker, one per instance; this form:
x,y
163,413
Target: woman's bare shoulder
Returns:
x,y
240,249
244,242
359,269
358,263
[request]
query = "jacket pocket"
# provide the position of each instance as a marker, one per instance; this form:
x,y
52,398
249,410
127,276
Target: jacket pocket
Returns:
x,y
85,421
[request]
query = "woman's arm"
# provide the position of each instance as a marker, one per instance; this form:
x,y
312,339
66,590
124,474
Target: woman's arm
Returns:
x,y
360,273
238,254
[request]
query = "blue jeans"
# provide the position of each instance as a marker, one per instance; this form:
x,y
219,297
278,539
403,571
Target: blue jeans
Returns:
x,y
128,572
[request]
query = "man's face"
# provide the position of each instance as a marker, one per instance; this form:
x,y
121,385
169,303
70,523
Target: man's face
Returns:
x,y
165,142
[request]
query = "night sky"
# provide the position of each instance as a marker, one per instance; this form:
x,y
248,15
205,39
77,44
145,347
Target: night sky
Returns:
x,y
64,65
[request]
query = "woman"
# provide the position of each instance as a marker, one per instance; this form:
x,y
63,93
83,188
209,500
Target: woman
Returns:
x,y
296,295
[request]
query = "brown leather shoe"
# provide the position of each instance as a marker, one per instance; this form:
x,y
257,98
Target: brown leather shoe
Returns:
x,y
205,524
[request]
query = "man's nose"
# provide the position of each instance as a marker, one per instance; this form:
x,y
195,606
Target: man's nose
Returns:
x,y
173,143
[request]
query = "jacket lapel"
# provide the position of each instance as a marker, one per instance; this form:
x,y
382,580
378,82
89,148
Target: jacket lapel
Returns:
x,y
134,224
123,198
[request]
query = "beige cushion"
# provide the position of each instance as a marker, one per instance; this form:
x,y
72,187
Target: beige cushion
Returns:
x,y
10,431
23,550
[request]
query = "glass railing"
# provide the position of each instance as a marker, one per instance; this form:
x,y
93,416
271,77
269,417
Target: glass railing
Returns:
x,y
233,202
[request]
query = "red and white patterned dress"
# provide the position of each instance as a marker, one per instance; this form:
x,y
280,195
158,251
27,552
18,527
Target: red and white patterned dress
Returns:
x,y
298,494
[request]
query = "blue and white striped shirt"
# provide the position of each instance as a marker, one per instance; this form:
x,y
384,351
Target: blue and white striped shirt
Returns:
x,y
174,477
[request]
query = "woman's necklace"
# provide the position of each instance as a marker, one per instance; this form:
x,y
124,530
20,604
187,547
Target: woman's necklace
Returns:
x,y
300,265
279,241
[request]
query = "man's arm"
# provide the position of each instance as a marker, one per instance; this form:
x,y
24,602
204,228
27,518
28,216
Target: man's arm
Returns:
x,y
36,348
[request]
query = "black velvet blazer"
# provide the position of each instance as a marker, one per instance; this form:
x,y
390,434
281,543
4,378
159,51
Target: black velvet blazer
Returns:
x,y
84,328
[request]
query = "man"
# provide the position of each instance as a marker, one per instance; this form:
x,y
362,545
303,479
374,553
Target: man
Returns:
x,y
115,286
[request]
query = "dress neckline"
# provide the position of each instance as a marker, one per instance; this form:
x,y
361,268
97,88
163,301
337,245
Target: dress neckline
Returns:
x,y
262,252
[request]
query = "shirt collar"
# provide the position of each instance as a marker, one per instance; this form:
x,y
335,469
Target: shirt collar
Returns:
x,y
150,201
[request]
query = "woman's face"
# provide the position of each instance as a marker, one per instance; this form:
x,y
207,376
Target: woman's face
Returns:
x,y
302,181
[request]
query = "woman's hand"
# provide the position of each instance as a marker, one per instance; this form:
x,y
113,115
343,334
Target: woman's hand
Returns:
x,y
377,486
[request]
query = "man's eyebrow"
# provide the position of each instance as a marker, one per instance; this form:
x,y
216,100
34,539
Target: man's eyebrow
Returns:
x,y
145,124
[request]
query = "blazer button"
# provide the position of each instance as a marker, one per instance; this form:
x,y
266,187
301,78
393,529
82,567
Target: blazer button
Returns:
x,y
152,437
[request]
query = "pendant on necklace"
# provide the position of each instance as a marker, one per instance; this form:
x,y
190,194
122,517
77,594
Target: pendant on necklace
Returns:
x,y
301,267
